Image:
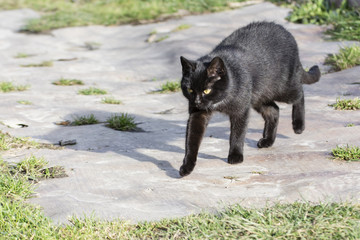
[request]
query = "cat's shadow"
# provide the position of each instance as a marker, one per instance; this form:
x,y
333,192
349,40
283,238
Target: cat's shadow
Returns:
x,y
151,144
224,134
143,146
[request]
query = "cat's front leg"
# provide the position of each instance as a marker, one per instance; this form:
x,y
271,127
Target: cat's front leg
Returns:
x,y
195,130
237,137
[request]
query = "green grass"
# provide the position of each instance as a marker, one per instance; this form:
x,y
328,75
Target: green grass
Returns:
x,y
23,55
347,104
160,39
347,57
84,120
68,82
9,142
110,100
181,27
169,86
10,87
346,153
121,122
299,220
59,13
345,22
24,102
42,64
92,45
92,91
35,169
350,125
19,220
282,221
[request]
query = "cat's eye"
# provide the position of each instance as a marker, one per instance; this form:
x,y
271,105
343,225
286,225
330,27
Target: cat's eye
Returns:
x,y
190,90
207,91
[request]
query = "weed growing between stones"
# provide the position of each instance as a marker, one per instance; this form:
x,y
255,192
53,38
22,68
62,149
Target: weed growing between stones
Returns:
x,y
171,87
24,102
10,87
110,100
42,64
346,153
344,21
347,57
68,82
347,104
181,27
121,122
84,120
91,46
35,169
23,55
9,142
92,91
168,87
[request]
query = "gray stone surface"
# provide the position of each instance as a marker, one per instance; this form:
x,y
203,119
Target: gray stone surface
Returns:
x,y
134,176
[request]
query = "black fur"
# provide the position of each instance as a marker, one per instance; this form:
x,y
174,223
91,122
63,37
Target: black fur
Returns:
x,y
253,67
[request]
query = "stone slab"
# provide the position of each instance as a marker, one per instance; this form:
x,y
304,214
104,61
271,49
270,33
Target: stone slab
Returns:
x,y
134,176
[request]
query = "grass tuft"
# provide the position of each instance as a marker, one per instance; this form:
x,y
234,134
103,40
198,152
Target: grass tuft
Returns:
x,y
347,57
42,64
68,82
84,120
110,100
182,27
160,39
24,102
122,122
10,87
346,153
35,169
8,142
346,104
92,91
345,21
91,46
169,87
23,55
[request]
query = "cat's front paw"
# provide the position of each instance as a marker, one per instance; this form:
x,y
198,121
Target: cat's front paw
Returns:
x,y
265,143
235,158
298,127
186,170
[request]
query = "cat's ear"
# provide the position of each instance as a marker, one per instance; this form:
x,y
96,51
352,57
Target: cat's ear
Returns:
x,y
187,66
216,68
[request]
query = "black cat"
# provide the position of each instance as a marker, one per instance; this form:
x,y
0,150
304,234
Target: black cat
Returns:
x,y
253,67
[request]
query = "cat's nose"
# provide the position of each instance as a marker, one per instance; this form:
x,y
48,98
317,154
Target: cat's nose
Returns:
x,y
197,102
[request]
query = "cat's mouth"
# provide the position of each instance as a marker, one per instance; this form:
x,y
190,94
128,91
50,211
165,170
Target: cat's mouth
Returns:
x,y
203,106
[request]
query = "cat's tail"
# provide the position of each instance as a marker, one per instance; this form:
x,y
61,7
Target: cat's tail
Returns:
x,y
312,76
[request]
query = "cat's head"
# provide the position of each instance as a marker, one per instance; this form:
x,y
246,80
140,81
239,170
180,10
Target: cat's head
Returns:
x,y
204,84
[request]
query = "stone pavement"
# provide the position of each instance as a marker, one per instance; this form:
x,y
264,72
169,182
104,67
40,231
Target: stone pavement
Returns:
x,y
134,176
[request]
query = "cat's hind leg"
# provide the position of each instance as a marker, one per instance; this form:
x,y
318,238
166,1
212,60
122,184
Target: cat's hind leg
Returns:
x,y
270,113
298,115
